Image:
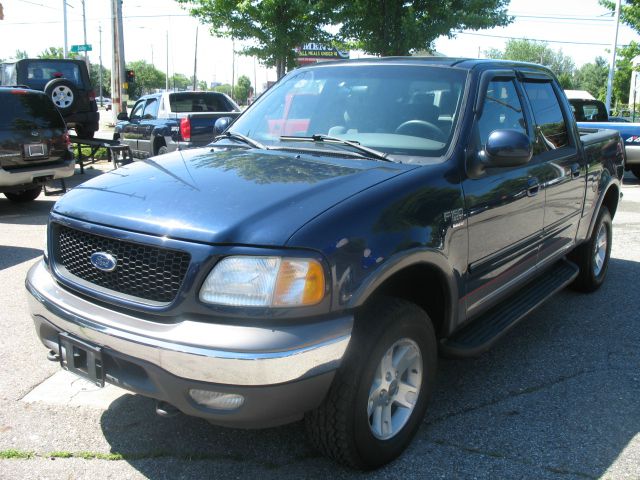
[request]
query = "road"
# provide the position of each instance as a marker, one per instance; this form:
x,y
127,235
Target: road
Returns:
x,y
557,398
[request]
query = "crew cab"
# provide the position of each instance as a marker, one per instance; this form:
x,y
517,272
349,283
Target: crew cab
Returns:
x,y
165,122
592,113
316,265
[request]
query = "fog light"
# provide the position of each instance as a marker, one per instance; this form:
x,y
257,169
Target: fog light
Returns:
x,y
217,400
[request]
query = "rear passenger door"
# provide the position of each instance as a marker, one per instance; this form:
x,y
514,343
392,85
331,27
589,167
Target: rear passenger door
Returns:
x,y
504,206
147,124
559,165
130,129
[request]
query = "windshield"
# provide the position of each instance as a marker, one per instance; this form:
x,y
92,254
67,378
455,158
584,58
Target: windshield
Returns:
x,y
395,109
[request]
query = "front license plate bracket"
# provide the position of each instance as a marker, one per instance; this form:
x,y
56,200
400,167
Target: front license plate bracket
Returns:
x,y
81,358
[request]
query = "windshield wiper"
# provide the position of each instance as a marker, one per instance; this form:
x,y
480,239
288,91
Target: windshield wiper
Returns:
x,y
241,138
370,152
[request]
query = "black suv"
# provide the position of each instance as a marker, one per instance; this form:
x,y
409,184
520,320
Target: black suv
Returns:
x,y
66,82
34,144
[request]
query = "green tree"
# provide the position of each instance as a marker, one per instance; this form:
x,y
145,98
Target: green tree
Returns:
x,y
226,89
55,52
202,85
21,54
592,77
242,90
622,77
276,27
629,12
179,81
538,52
148,78
94,73
391,27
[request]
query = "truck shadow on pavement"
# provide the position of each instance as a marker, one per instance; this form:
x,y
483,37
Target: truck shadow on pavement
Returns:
x,y
10,256
556,398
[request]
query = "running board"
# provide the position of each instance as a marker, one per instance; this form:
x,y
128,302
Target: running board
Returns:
x,y
484,331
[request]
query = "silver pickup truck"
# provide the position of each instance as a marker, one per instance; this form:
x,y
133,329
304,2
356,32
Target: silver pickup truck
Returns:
x,y
165,122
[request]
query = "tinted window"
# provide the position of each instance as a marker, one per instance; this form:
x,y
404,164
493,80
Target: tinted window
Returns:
x,y
39,73
199,102
502,110
551,129
589,111
27,111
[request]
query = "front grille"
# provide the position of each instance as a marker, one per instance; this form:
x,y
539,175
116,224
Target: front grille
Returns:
x,y
143,271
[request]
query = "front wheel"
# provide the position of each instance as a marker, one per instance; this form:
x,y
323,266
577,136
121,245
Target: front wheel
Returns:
x,y
378,398
593,256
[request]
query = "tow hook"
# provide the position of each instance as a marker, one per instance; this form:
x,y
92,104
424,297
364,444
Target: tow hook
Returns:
x,y
53,356
166,410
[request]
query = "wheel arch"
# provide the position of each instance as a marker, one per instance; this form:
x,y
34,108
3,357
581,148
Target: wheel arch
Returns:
x,y
610,199
424,278
158,141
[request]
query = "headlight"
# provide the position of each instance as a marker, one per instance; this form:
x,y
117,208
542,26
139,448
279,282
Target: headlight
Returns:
x,y
264,282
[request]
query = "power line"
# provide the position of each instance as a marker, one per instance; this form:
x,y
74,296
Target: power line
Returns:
x,y
98,19
534,39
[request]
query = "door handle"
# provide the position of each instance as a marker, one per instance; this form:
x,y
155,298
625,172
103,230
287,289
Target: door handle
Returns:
x,y
575,170
533,187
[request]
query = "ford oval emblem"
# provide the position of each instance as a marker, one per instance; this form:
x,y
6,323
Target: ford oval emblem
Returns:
x,y
104,261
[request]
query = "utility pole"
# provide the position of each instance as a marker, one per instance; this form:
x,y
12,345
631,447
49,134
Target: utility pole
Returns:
x,y
84,28
612,67
233,66
166,87
64,17
118,86
195,63
100,60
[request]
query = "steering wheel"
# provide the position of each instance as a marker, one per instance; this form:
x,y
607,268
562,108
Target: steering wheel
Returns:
x,y
421,128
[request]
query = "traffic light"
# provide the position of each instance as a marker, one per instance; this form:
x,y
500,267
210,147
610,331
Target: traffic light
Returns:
x,y
130,75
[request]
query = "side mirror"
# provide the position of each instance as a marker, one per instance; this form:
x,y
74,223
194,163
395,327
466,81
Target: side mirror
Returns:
x,y
504,149
221,125
123,116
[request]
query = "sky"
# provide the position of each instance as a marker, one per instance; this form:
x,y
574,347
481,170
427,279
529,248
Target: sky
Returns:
x,y
582,29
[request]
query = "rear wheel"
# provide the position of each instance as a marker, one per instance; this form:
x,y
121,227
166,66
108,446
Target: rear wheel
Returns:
x,y
24,196
378,398
593,256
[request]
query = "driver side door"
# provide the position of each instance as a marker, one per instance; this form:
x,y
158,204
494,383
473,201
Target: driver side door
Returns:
x,y
130,129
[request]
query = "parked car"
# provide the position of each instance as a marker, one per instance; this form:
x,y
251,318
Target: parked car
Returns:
x,y
591,113
66,82
352,223
34,144
164,122
619,119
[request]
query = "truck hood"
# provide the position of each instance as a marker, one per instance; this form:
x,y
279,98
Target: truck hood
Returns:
x,y
237,196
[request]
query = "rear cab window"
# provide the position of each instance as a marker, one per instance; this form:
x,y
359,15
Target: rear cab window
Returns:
x,y
203,102
22,109
39,73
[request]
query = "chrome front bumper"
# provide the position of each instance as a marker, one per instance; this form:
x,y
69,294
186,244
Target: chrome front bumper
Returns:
x,y
196,351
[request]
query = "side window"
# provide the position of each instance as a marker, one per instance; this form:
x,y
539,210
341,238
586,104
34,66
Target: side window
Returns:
x,y
502,110
151,110
551,128
136,113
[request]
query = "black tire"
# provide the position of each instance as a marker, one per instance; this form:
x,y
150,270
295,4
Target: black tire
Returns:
x,y
82,132
162,150
24,196
592,273
64,95
635,170
340,427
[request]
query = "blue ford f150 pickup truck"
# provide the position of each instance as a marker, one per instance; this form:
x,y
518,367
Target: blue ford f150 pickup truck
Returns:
x,y
592,114
314,260
163,122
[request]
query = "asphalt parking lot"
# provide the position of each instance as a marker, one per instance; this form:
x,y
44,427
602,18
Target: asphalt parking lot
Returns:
x,y
558,398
